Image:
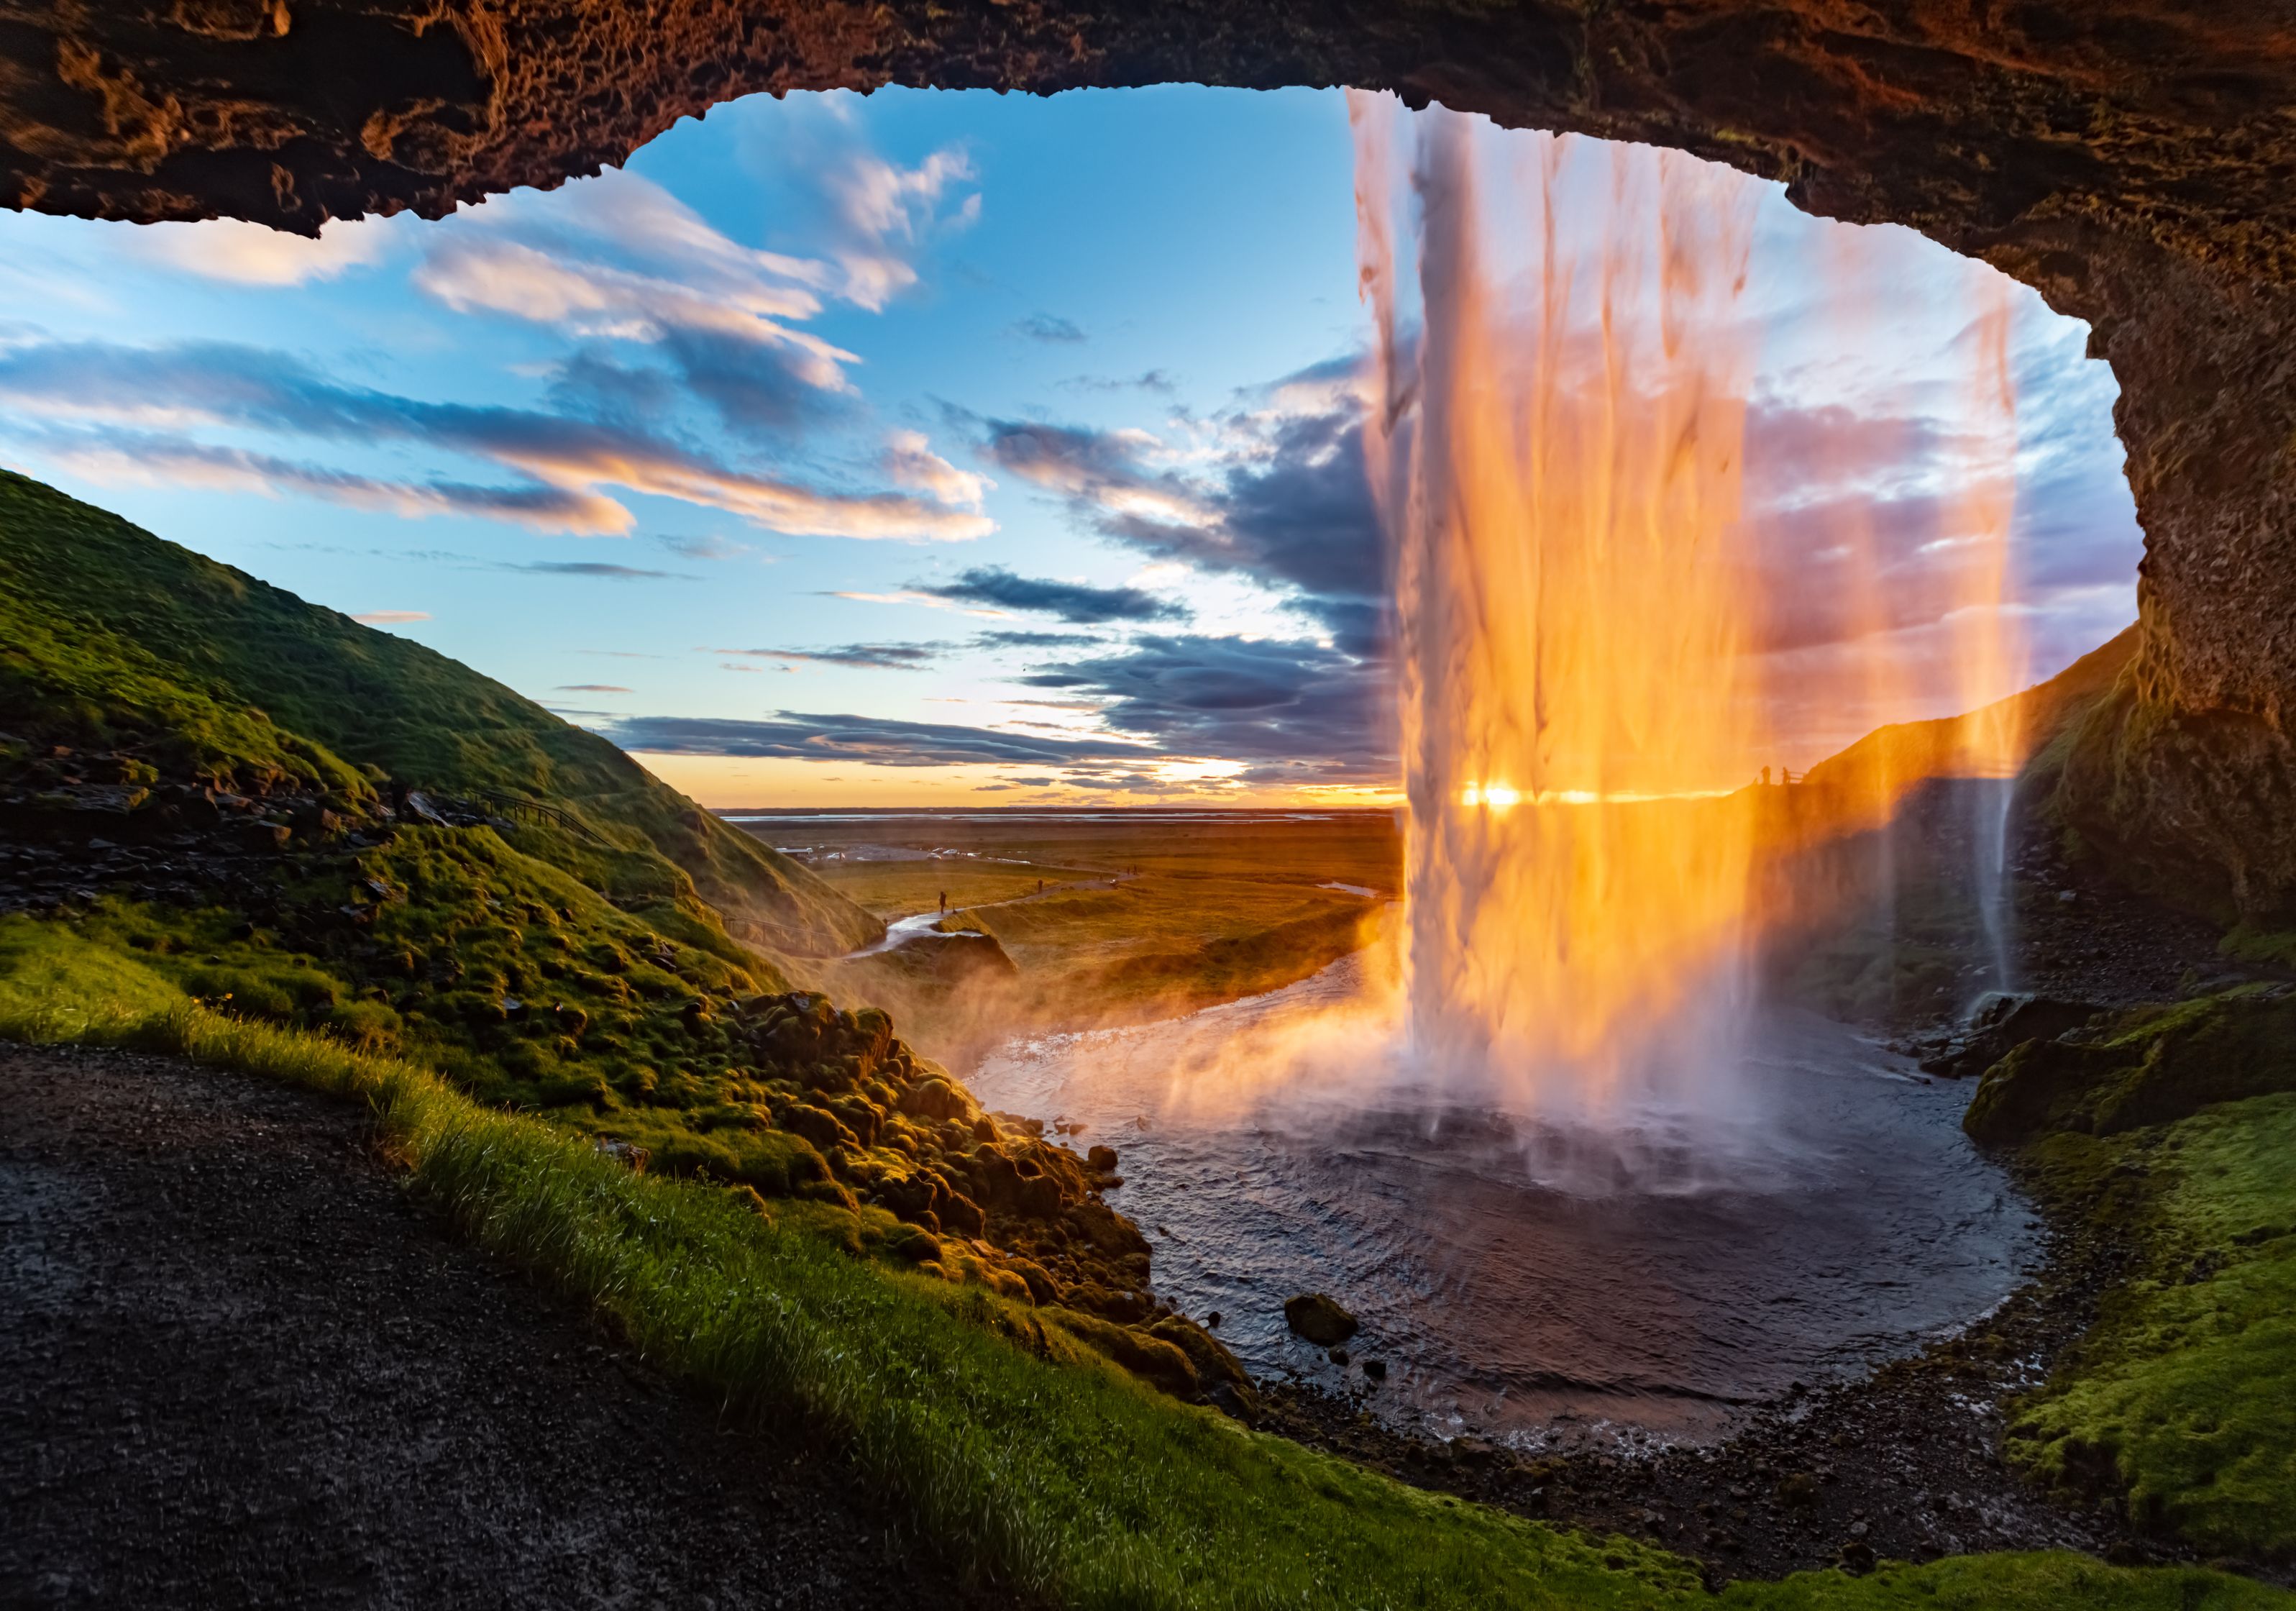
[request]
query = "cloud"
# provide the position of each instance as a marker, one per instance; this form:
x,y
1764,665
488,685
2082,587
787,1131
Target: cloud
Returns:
x,y
1147,380
1048,327
615,257
105,392
910,461
886,213
880,657
1280,496
389,618
248,254
1291,713
591,687
151,457
582,567
878,741
704,548
908,595
1070,601
1037,640
1267,703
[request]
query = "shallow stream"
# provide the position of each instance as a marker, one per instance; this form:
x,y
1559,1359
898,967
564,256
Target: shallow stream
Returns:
x,y
1536,1283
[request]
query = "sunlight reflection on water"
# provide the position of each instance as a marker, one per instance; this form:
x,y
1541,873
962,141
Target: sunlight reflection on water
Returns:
x,y
1523,1279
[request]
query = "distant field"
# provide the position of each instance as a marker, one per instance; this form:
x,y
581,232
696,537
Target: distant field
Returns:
x,y
1143,913
901,889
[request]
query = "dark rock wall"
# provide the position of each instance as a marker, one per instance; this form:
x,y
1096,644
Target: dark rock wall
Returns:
x,y
2135,160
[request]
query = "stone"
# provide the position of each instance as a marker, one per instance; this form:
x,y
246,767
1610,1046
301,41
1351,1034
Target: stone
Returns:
x,y
819,1126
1318,1319
914,1243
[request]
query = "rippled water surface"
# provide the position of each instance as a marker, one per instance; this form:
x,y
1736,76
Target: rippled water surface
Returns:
x,y
1528,1281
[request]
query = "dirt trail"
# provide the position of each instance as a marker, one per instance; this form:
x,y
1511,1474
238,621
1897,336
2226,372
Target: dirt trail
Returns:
x,y
238,1368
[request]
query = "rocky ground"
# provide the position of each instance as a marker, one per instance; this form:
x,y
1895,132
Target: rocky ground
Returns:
x,y
1902,1466
2084,936
241,1368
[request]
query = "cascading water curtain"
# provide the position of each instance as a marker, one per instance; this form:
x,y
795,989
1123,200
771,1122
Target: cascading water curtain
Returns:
x,y
1595,644
1556,450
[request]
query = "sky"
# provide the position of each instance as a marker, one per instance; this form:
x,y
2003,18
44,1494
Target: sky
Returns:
x,y
946,448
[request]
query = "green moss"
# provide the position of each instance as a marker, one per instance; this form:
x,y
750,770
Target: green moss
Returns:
x,y
2251,943
2148,1066
2184,1394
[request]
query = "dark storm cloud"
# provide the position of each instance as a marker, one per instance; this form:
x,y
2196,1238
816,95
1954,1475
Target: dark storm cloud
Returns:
x,y
1070,601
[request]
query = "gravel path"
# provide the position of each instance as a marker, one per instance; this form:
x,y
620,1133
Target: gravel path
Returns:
x,y
238,1368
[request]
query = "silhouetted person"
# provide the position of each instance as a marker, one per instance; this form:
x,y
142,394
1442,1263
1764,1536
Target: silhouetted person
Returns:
x,y
944,894
1766,777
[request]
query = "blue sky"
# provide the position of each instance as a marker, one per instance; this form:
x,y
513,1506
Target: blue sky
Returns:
x,y
928,447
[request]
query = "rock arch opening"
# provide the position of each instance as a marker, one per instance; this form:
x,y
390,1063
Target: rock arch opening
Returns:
x,y
2125,161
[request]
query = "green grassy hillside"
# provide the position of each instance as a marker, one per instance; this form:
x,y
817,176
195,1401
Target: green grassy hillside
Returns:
x,y
297,822
112,638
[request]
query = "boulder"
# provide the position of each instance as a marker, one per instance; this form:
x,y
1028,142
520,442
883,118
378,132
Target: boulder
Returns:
x,y
2007,1022
819,1126
1318,1319
1153,1359
2150,1065
910,1242
933,1098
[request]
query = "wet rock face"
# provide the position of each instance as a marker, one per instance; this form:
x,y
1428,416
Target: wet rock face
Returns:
x,y
2127,157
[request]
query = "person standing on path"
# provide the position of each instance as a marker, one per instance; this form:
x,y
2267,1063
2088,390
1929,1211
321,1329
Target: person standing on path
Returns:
x,y
944,903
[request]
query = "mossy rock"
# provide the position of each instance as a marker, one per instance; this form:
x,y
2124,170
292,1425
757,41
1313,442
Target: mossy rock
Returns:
x,y
1152,1359
2150,1066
